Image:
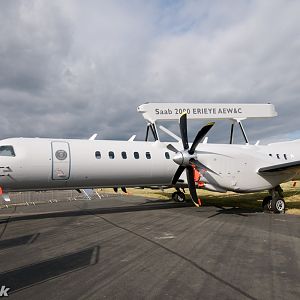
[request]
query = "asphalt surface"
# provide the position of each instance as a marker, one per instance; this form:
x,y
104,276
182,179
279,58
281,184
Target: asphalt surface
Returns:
x,y
135,248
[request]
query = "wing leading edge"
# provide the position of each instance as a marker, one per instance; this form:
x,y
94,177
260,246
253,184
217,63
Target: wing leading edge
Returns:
x,y
293,166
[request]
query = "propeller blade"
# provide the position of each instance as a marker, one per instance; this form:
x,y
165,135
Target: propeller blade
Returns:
x,y
172,148
178,174
200,135
183,131
191,183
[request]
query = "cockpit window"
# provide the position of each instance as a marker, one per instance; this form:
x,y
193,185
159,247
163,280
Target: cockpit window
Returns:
x,y
7,151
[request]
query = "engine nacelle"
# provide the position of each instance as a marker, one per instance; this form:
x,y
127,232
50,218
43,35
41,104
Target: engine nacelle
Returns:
x,y
213,188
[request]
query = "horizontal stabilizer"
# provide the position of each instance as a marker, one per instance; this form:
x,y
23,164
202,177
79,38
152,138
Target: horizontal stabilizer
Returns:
x,y
290,166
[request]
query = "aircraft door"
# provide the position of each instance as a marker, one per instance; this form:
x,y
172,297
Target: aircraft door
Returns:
x,y
60,160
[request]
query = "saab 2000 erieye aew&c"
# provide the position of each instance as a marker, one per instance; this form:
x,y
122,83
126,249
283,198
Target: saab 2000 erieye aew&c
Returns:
x,y
32,164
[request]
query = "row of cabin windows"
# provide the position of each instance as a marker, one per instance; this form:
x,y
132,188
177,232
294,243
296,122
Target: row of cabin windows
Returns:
x,y
136,155
278,156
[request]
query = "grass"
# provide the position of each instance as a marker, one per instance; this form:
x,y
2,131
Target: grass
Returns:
x,y
251,201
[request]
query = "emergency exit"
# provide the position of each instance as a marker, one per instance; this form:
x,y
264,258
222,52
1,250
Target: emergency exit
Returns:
x,y
61,160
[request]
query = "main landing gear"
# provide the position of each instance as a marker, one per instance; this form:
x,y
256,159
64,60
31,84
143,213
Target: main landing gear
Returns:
x,y
274,202
178,196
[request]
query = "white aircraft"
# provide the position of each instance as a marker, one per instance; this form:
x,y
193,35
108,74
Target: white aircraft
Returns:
x,y
31,164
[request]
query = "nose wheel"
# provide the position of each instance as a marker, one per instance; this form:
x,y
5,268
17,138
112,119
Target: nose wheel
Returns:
x,y
178,196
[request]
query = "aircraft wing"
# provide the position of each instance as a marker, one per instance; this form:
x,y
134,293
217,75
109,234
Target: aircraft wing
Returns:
x,y
290,167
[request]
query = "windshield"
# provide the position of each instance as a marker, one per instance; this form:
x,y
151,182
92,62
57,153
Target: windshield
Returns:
x,y
7,151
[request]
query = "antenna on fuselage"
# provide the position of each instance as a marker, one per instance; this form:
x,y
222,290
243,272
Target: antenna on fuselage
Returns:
x,y
234,112
93,137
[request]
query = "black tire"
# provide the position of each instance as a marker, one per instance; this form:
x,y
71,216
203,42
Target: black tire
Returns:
x,y
174,196
178,197
278,206
266,204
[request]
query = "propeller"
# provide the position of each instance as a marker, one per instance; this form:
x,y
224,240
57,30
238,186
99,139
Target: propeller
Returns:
x,y
186,158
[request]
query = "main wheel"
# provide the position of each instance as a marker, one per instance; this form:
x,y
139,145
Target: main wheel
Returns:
x,y
178,197
278,206
266,204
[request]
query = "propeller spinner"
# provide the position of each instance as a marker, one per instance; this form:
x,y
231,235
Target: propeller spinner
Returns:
x,y
187,156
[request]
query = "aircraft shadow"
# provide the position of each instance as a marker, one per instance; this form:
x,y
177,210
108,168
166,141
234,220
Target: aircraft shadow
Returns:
x,y
95,211
18,241
43,271
232,207
243,212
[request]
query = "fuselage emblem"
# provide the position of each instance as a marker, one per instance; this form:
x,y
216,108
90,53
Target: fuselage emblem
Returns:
x,y
61,154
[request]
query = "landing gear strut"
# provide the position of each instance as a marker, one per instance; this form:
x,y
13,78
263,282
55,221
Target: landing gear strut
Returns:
x,y
275,202
178,196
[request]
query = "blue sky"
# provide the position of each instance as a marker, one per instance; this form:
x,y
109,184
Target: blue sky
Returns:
x,y
72,68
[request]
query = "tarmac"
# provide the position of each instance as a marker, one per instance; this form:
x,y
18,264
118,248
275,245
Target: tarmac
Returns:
x,y
126,247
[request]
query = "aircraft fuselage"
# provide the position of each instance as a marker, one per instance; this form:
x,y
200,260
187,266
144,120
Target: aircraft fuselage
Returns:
x,y
43,164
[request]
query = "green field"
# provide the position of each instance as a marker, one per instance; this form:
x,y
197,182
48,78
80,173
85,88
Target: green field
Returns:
x,y
251,201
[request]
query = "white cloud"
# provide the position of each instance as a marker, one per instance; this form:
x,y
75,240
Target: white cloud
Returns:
x,y
72,67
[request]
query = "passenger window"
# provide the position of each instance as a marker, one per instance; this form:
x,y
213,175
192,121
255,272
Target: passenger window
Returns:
x,y
7,151
111,154
98,154
278,156
124,155
270,155
136,155
167,155
285,157
148,155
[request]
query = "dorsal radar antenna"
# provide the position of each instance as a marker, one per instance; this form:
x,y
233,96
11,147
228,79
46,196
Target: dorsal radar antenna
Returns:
x,y
234,112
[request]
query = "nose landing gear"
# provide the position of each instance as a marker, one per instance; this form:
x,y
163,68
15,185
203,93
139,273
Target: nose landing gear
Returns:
x,y
178,196
275,202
